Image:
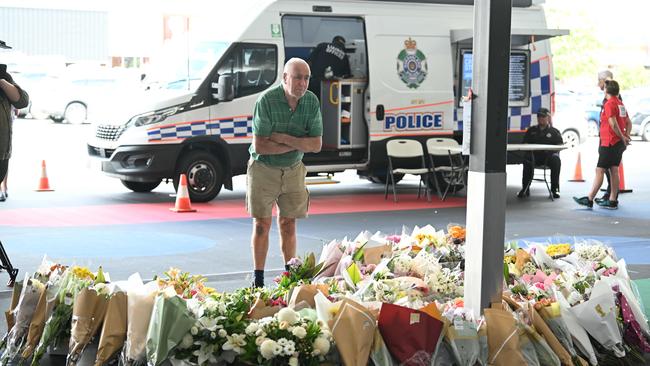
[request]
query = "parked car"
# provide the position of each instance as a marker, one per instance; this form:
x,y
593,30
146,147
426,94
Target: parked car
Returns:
x,y
571,123
641,125
82,98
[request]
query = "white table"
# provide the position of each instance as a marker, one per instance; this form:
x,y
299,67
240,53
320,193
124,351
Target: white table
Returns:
x,y
535,147
519,147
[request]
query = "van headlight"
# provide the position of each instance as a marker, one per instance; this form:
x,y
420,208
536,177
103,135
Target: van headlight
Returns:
x,y
152,117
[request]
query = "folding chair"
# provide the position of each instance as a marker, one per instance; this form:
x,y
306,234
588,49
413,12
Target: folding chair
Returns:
x,y
544,167
445,158
401,154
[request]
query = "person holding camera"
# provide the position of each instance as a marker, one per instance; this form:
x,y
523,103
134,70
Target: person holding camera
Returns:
x,y
10,95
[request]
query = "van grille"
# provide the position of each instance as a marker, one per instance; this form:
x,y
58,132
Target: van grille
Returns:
x,y
109,132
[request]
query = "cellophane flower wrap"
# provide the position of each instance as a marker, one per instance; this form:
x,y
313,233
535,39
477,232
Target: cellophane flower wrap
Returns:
x,y
88,312
31,292
170,322
57,326
219,319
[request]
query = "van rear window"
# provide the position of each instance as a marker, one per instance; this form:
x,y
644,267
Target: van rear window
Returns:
x,y
518,85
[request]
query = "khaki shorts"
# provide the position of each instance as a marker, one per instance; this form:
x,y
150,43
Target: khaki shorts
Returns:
x,y
268,185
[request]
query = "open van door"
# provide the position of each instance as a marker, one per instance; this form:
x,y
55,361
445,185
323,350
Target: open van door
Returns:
x,y
411,78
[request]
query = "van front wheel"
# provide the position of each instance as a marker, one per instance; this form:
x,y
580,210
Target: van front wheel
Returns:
x,y
204,175
140,187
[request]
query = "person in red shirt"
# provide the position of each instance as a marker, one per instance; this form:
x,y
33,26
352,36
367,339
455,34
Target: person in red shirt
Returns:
x,y
614,138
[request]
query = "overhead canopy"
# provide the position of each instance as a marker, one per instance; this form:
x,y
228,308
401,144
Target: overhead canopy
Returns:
x,y
518,37
515,3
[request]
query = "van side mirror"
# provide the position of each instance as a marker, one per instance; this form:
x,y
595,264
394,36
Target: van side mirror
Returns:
x,y
223,90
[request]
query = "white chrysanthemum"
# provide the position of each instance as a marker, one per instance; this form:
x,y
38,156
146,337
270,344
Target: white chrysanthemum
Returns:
x,y
322,345
222,333
186,342
289,349
267,349
283,342
277,349
252,328
287,315
299,332
211,304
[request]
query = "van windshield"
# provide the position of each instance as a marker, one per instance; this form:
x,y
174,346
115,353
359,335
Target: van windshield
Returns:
x,y
186,65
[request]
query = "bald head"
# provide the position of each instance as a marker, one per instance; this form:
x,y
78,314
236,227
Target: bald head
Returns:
x,y
295,62
295,77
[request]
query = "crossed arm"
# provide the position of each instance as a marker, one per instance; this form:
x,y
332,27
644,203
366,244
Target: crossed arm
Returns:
x,y
10,90
280,143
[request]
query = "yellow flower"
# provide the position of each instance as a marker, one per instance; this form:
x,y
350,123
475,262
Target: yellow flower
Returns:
x,y
173,272
82,273
558,249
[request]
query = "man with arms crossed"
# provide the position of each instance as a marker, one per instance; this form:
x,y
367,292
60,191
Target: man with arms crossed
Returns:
x,y
286,124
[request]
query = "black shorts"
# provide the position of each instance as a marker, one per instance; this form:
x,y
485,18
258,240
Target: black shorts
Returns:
x,y
609,156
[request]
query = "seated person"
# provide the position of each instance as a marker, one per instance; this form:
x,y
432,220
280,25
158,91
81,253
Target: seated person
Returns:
x,y
542,133
328,60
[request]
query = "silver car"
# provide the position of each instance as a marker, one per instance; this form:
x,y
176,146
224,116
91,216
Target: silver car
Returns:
x,y
571,123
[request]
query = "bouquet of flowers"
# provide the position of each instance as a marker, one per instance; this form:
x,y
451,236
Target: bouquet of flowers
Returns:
x,y
301,271
558,250
58,325
287,338
184,284
426,236
170,321
15,339
593,251
140,301
219,330
446,283
462,335
87,316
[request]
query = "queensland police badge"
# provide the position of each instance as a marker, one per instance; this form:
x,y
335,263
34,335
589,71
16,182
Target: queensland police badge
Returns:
x,y
411,65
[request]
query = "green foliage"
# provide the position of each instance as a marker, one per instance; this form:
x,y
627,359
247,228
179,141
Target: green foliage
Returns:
x,y
629,76
575,55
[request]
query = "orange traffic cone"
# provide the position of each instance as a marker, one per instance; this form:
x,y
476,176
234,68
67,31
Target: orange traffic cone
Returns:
x,y
621,179
183,203
43,183
577,174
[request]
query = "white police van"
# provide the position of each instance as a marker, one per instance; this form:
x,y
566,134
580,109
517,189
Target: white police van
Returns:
x,y
410,61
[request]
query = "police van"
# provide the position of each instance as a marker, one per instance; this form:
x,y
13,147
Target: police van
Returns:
x,y
411,63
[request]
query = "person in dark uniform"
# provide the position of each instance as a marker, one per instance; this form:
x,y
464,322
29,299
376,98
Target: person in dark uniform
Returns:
x,y
542,133
328,60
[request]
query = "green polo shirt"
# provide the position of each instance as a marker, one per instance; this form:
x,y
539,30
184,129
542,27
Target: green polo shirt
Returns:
x,y
272,114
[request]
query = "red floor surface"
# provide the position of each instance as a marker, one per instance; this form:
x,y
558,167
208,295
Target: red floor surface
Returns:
x,y
219,209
